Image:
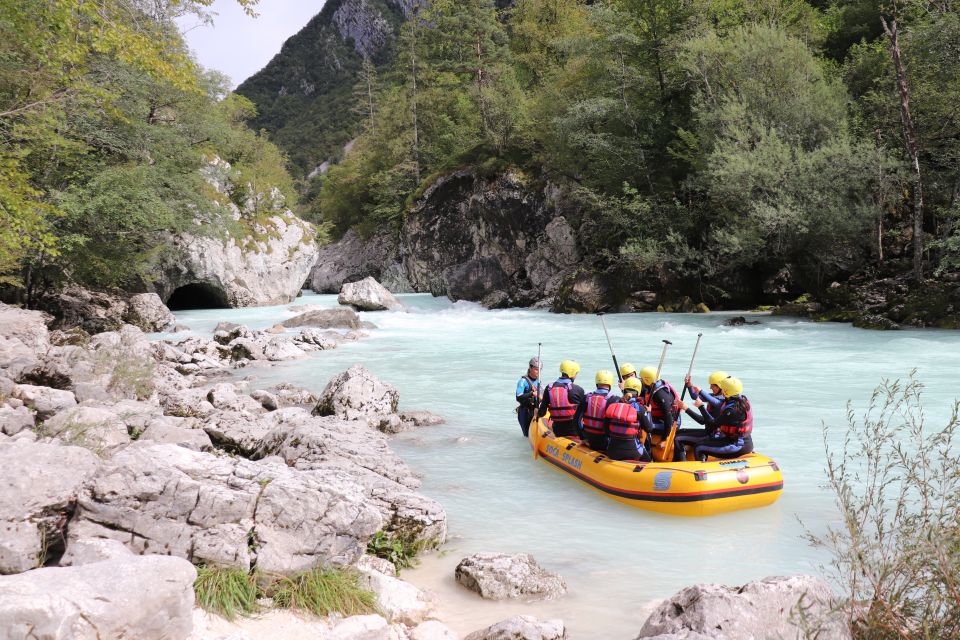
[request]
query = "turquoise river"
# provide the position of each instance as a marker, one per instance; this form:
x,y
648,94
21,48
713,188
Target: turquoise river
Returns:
x,y
463,361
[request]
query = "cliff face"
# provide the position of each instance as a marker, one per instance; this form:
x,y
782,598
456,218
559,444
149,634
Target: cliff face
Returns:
x,y
304,94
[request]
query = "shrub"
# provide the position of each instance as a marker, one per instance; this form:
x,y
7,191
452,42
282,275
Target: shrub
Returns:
x,y
400,551
226,591
896,551
324,591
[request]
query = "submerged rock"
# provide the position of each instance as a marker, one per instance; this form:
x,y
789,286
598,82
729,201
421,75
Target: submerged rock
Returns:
x,y
767,608
147,598
522,628
498,576
368,295
739,321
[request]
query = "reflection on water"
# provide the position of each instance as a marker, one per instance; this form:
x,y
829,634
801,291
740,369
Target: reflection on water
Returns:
x,y
462,361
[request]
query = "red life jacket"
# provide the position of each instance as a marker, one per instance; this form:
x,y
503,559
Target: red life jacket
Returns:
x,y
621,420
561,409
656,411
593,416
744,427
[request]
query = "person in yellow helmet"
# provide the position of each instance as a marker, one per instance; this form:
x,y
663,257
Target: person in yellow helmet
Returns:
x,y
565,400
595,405
708,404
628,424
734,423
627,371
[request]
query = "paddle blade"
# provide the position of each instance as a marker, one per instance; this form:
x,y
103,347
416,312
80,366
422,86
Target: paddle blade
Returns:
x,y
535,436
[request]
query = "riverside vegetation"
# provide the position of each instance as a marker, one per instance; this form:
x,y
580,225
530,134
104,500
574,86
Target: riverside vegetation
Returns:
x,y
732,150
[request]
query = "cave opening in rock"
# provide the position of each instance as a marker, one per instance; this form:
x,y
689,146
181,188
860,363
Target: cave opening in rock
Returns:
x,y
197,295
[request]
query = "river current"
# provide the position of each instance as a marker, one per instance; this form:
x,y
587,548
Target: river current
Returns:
x,y
462,361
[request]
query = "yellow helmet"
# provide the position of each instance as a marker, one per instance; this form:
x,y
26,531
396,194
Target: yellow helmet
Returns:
x,y
717,376
633,384
570,368
604,377
626,369
731,387
648,375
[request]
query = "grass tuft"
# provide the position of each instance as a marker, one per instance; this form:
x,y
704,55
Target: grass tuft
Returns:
x,y
324,591
228,592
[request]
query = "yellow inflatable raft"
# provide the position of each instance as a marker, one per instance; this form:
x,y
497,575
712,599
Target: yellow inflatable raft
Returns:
x,y
675,488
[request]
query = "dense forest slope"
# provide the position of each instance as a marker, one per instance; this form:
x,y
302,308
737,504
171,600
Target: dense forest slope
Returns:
x,y
732,152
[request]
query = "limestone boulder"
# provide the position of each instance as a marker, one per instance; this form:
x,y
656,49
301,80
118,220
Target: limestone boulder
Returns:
x,y
522,628
147,311
338,318
166,499
183,432
498,576
39,485
88,551
368,295
357,393
98,428
433,630
324,443
28,329
45,401
13,420
767,608
397,600
148,598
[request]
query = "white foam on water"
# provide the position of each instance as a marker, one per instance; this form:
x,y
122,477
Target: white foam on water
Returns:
x,y
463,362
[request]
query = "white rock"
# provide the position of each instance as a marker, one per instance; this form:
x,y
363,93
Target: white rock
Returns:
x,y
522,628
96,428
756,611
433,630
498,576
90,550
357,393
371,627
147,311
173,431
13,420
338,318
397,600
368,295
147,598
38,485
45,401
281,348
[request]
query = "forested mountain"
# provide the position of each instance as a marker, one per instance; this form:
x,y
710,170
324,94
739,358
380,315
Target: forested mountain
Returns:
x,y
715,146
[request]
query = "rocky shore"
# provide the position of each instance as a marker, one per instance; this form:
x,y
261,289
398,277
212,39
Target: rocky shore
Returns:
x,y
128,464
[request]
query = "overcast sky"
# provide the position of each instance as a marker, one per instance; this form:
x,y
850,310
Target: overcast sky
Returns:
x,y
238,45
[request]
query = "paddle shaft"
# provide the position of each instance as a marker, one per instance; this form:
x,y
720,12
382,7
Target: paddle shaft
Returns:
x,y
536,411
616,366
663,354
690,369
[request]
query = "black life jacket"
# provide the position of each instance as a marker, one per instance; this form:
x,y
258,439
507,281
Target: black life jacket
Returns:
x,y
742,428
656,411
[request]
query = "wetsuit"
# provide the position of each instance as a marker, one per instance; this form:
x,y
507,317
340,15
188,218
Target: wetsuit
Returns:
x,y
661,401
564,400
627,427
527,399
705,416
734,426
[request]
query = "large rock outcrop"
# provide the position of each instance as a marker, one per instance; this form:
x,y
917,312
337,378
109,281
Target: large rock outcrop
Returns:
x,y
353,258
147,598
264,258
99,311
769,608
161,498
492,240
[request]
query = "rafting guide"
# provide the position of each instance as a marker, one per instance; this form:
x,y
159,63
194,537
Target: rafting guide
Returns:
x,y
631,446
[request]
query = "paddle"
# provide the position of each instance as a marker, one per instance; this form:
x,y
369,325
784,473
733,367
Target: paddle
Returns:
x,y
673,432
616,367
534,430
668,439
